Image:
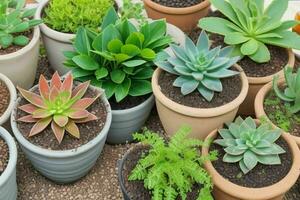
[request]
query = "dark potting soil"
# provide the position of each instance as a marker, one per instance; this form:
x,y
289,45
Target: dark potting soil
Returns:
x,y
261,175
178,3
231,89
4,97
135,189
128,102
88,131
15,48
4,155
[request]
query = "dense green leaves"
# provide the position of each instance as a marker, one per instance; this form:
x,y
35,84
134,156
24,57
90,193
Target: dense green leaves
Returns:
x,y
250,27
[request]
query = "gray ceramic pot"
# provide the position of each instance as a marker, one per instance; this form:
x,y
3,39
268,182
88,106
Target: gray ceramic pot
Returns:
x,y
64,166
126,122
8,183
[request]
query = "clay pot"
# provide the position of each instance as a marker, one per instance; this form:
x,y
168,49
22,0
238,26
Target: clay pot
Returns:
x,y
259,104
226,190
202,121
256,83
184,18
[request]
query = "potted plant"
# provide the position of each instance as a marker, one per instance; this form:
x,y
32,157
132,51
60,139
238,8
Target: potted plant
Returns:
x,y
19,42
120,60
198,86
183,14
278,102
59,28
259,36
8,162
159,169
55,109
255,162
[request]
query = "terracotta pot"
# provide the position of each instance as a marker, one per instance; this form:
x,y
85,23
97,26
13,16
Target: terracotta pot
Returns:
x,y
226,190
259,104
184,18
255,84
202,121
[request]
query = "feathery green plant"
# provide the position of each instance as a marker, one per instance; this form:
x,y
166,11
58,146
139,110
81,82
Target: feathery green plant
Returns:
x,y
134,10
249,145
198,67
249,27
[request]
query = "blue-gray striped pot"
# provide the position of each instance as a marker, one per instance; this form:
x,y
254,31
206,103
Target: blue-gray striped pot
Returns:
x,y
8,183
64,166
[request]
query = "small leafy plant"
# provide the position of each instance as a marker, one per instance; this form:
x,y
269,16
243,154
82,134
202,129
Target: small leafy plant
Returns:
x,y
59,105
120,58
249,145
68,15
134,10
291,93
249,27
15,20
198,67
172,169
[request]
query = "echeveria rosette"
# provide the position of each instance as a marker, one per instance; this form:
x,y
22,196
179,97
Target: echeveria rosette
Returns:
x,y
249,27
120,58
291,93
249,145
59,105
198,67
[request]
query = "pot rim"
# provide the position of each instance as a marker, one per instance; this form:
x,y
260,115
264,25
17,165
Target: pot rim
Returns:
x,y
177,11
267,192
200,112
62,153
259,104
267,79
13,96
13,155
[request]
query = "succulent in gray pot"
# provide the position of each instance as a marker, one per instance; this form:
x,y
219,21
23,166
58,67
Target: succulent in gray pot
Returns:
x,y
120,59
61,126
8,162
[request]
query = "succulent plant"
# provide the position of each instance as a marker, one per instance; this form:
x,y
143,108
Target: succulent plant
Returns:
x,y
249,145
291,93
198,67
59,105
249,27
120,58
15,20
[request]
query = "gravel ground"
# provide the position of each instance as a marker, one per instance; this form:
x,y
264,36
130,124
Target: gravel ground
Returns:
x,y
100,184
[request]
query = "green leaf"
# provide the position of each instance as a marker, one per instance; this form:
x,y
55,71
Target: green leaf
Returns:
x,y
82,44
249,47
109,88
269,159
115,46
86,62
212,84
225,133
140,88
34,22
289,40
130,50
235,38
122,90
101,73
122,57
78,72
206,93
189,86
276,9
232,159
148,54
21,40
110,18
29,13
262,54
272,135
250,160
117,76
216,25
20,28
234,150
70,54
134,63
135,39
146,73
6,40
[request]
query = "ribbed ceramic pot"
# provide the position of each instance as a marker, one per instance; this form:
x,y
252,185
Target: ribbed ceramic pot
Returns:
x,y
8,183
63,166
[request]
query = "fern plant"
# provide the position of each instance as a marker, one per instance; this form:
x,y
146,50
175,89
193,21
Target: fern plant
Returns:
x,y
134,10
171,169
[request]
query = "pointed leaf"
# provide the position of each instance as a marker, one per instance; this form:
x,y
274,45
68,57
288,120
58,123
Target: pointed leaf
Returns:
x,y
28,108
40,126
58,131
61,120
72,128
55,81
44,87
27,119
32,98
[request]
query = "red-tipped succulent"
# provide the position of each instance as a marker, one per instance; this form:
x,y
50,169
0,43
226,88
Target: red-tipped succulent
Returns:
x,y
59,105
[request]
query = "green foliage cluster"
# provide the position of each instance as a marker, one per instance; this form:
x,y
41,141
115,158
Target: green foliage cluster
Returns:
x,y
249,145
133,10
171,169
120,58
68,15
249,27
198,67
14,21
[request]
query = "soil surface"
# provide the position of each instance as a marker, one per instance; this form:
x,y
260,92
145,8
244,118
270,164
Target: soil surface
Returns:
x,y
261,175
4,97
88,131
4,155
14,48
178,3
231,89
128,102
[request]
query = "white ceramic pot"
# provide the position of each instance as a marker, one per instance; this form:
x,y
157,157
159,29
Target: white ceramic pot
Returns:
x,y
21,66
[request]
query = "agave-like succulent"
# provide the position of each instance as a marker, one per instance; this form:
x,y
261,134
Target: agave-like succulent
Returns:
x,y
291,93
198,67
249,145
59,105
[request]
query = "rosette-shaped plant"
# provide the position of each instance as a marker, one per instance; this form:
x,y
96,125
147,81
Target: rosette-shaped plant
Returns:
x,y
198,67
249,145
291,93
59,105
